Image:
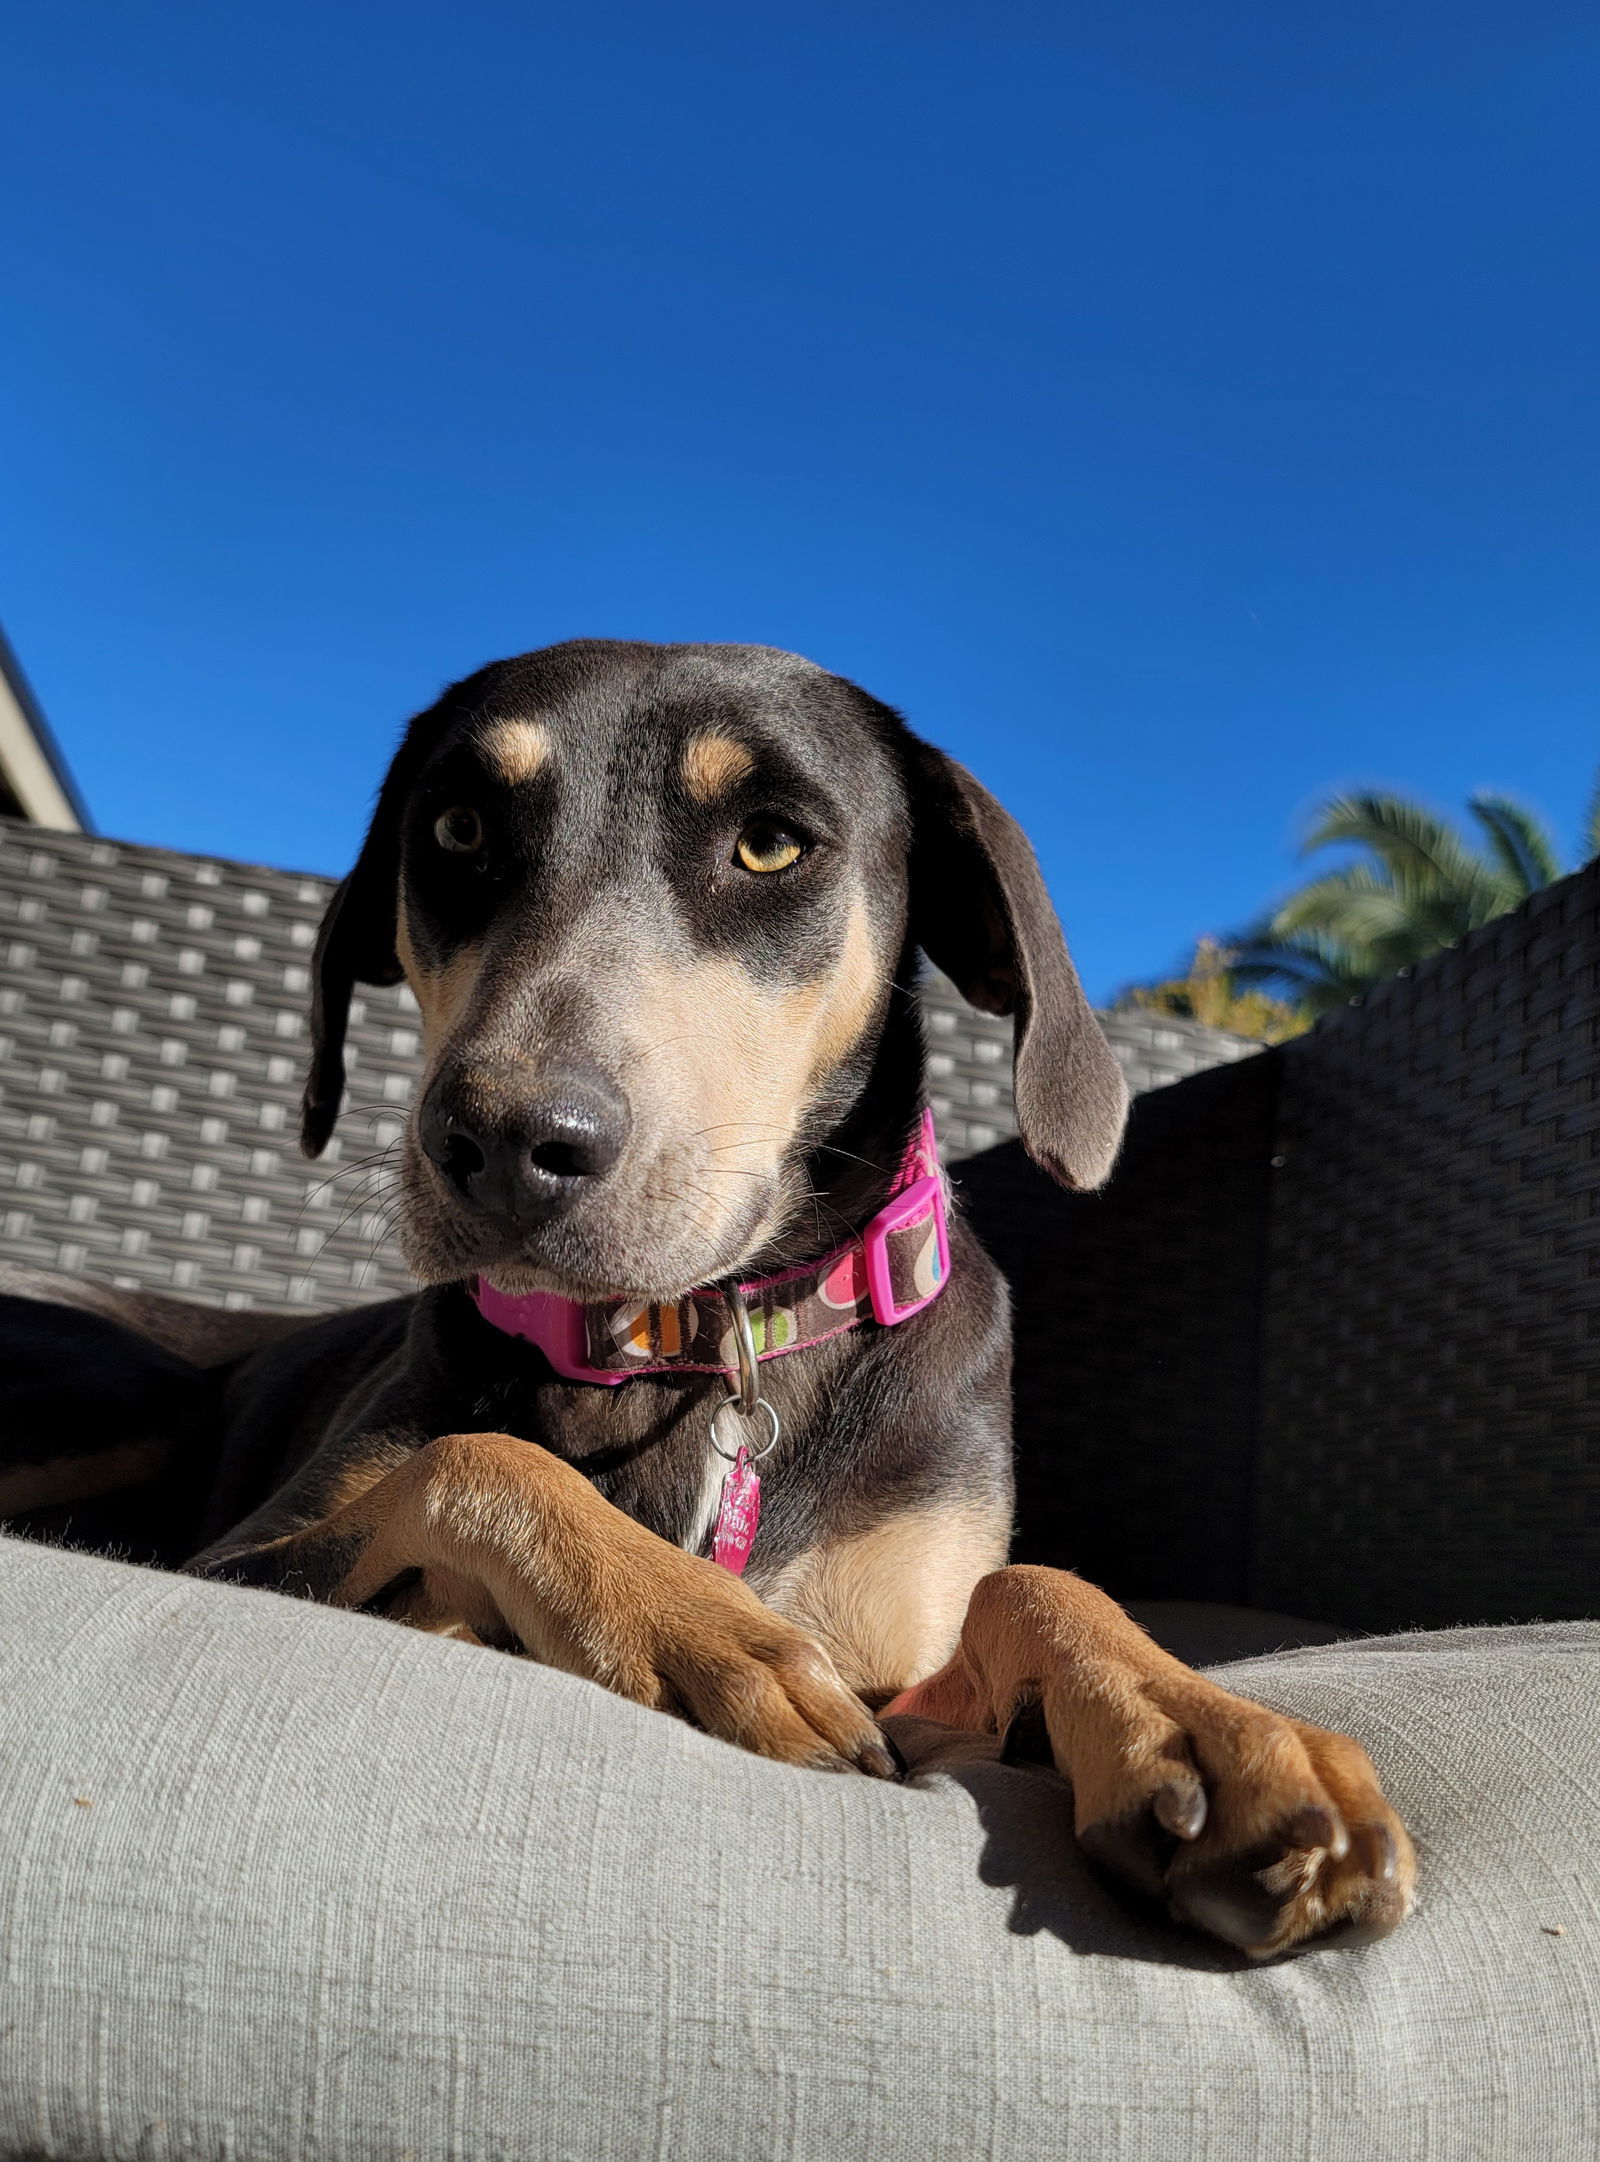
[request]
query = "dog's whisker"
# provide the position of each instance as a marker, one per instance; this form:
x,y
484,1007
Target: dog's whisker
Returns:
x,y
354,1163
828,1148
369,1168
347,1216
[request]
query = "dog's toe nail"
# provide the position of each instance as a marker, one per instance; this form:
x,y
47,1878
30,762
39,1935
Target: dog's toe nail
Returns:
x,y
1375,1853
828,1760
1180,1808
1315,1825
1232,1904
1131,1847
884,1758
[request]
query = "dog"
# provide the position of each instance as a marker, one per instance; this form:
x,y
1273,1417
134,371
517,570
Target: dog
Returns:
x,y
706,1395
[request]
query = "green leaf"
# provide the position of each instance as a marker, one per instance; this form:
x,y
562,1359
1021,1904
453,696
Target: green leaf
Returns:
x,y
1518,843
1420,850
1590,836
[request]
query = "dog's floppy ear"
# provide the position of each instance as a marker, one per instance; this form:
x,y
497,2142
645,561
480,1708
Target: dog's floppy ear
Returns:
x,y
980,911
356,944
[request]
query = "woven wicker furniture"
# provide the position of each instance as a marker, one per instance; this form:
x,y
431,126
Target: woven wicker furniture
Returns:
x,y
1330,1340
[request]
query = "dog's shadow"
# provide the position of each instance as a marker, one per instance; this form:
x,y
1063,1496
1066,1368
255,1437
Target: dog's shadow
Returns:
x,y
1029,1849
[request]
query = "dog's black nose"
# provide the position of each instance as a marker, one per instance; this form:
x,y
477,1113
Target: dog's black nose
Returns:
x,y
536,1156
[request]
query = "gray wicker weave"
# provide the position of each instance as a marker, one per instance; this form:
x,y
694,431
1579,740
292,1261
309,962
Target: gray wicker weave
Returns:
x,y
1330,1340
1431,1320
152,1053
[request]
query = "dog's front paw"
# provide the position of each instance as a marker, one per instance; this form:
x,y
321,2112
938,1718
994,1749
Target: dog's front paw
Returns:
x,y
705,1647
1265,1832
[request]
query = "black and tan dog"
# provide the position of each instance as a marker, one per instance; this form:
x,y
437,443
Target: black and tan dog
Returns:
x,y
659,907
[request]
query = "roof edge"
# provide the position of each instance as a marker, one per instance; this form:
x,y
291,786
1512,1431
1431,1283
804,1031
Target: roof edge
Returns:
x,y
30,730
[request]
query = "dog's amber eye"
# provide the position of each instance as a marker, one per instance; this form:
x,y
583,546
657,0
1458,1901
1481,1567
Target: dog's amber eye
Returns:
x,y
459,830
764,845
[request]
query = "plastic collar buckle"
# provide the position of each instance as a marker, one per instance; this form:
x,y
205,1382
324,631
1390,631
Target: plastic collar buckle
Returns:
x,y
924,1197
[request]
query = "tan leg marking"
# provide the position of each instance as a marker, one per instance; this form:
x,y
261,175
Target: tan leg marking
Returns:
x,y
511,1542
515,750
352,1481
889,1603
1263,1830
81,1478
712,765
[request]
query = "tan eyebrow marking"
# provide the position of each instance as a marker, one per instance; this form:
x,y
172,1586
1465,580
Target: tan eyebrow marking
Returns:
x,y
712,764
516,749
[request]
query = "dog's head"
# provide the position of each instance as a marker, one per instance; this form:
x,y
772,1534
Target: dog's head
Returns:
x,y
653,902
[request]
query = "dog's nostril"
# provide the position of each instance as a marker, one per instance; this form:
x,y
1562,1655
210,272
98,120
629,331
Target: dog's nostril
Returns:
x,y
560,1159
463,1158
524,1162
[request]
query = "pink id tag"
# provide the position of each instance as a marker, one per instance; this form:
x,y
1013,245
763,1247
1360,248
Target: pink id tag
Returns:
x,y
738,1514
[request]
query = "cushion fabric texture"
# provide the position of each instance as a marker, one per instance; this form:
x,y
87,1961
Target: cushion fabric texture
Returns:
x,y
280,1883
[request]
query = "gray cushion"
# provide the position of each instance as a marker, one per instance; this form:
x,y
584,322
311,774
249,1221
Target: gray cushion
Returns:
x,y
283,1883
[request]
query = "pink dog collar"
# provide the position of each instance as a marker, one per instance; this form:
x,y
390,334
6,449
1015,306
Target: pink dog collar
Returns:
x,y
896,1266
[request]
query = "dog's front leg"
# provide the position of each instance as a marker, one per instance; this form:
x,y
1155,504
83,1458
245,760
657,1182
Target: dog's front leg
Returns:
x,y
499,1537
1263,1830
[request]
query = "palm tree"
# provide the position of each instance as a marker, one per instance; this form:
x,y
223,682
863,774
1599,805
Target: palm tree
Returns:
x,y
1421,886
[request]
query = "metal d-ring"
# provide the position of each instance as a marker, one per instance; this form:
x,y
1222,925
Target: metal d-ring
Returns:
x,y
745,1398
731,1403
749,1389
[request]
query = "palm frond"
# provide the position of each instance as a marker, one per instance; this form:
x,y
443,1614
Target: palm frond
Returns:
x,y
1416,846
1383,926
1314,969
1518,842
1419,886
1353,896
1590,836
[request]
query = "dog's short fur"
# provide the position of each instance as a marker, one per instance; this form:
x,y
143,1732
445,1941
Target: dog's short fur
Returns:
x,y
660,909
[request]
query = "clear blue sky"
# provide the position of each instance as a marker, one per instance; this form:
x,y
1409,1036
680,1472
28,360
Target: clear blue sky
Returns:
x,y
1177,410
